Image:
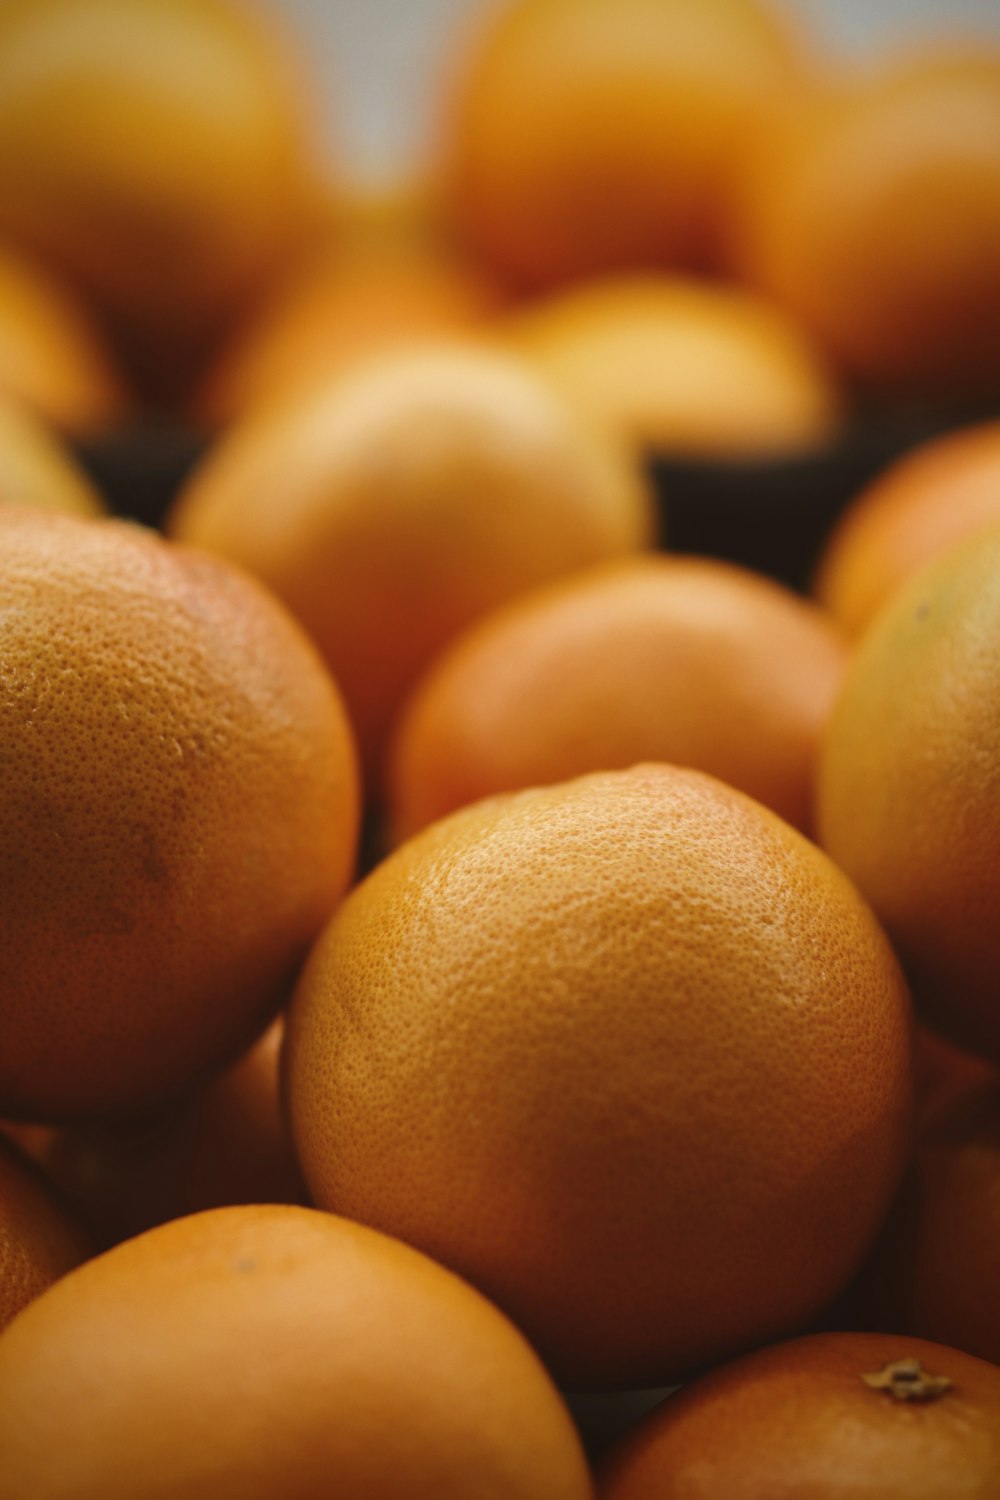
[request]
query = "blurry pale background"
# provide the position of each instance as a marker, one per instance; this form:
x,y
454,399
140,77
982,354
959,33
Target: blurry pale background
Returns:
x,y
379,62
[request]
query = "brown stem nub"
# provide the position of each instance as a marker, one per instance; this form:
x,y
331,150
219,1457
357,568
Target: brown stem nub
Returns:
x,y
907,1380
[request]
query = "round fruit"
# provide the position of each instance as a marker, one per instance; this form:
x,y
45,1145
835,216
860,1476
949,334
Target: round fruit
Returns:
x,y
872,212
662,658
629,1053
38,1240
276,1351
35,470
391,510
596,135
840,1416
909,785
682,367
179,813
50,356
945,490
152,152
943,1076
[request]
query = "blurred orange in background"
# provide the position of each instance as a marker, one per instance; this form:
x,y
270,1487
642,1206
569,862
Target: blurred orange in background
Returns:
x,y
36,470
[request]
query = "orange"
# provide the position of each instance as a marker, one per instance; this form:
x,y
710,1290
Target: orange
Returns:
x,y
820,1419
36,470
391,510
586,136
943,1076
629,1053
909,785
51,357
179,810
258,1352
942,491
940,1262
871,211
661,658
155,154
684,367
39,1242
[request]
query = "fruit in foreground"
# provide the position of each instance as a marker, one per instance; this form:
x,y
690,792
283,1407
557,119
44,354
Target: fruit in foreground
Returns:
x,y
909,785
39,1242
839,1416
179,813
629,1053
271,1351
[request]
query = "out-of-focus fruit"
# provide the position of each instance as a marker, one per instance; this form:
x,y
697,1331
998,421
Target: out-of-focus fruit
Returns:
x,y
683,367
908,795
662,659
38,1240
390,510
597,135
276,1351
839,1416
51,358
155,154
933,497
35,470
943,1076
179,813
629,1053
871,210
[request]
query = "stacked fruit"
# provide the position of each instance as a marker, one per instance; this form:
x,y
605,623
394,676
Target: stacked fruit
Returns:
x,y
454,956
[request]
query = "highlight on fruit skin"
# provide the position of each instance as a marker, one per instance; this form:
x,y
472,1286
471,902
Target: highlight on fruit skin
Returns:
x,y
691,369
870,209
276,1351
390,510
662,658
629,1053
52,357
37,470
908,780
835,1416
916,509
179,814
588,136
39,1240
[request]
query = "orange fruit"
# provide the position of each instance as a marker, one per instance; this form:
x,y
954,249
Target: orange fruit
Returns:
x,y
586,136
36,470
629,1053
675,659
51,358
38,1240
179,129
684,367
909,785
871,210
943,1076
179,813
352,304
391,510
938,1268
832,1417
257,1352
931,498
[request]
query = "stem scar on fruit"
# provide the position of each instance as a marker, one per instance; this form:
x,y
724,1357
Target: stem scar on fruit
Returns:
x,y
907,1380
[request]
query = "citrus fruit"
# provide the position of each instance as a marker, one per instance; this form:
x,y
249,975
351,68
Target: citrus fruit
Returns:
x,y
36,470
943,1075
677,659
838,1416
689,368
871,210
629,1053
931,498
51,357
585,136
39,1242
391,510
256,1352
154,153
908,789
179,813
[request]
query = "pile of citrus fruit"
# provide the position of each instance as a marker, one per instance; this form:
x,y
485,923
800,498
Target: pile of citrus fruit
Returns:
x,y
461,961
